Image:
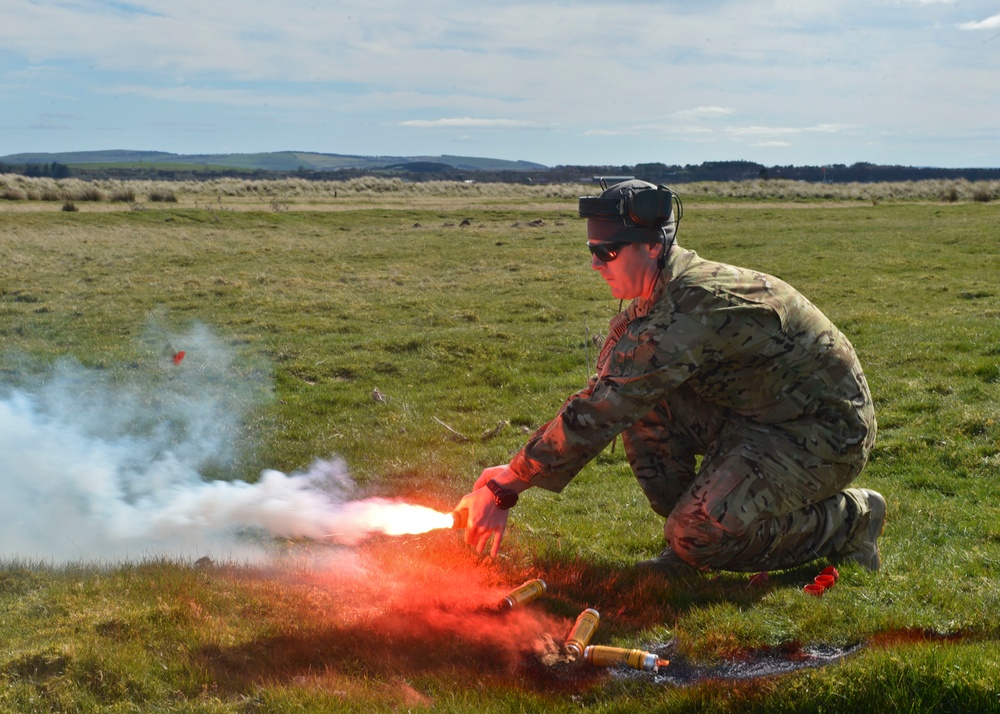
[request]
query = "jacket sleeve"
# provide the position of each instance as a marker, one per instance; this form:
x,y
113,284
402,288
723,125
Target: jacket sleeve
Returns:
x,y
655,354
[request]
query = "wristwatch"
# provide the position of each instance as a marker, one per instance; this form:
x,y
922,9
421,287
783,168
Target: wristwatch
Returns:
x,y
504,497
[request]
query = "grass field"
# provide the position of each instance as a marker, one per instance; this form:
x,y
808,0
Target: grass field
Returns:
x,y
419,339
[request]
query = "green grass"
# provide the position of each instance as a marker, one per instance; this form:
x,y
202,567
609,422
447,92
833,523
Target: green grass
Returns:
x,y
472,326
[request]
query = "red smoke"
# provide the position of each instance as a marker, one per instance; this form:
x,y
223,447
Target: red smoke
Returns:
x,y
399,608
423,596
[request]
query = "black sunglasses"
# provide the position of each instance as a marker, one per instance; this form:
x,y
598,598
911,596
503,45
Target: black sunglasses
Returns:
x,y
606,252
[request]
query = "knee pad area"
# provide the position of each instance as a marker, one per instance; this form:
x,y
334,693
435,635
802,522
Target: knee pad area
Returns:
x,y
697,539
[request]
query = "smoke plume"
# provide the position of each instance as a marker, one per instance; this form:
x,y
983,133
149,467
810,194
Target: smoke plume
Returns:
x,y
132,462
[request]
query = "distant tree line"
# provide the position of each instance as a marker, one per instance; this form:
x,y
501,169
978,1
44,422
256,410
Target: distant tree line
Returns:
x,y
53,170
861,172
671,174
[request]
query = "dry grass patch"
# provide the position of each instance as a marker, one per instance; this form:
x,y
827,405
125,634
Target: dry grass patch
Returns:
x,y
295,192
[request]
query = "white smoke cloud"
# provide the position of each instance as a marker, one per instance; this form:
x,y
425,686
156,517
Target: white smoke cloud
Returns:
x,y
109,465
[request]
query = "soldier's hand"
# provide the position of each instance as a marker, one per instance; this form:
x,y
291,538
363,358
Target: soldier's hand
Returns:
x,y
485,519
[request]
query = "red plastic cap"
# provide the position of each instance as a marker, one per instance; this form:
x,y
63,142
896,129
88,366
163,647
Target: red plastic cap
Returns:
x,y
825,581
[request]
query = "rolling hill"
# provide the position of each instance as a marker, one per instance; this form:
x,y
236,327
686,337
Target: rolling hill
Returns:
x,y
268,161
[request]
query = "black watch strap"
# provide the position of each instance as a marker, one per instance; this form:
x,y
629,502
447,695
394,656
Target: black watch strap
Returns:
x,y
505,498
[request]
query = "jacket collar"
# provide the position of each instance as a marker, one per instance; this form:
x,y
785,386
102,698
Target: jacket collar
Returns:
x,y
677,259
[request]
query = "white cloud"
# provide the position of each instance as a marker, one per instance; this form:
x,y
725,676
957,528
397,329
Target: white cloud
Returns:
x,y
683,128
704,113
232,97
649,129
468,122
786,130
990,23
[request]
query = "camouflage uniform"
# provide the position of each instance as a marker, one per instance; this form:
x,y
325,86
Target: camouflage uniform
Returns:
x,y
737,367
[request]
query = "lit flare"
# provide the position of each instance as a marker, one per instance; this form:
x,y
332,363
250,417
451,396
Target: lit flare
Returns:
x,y
394,518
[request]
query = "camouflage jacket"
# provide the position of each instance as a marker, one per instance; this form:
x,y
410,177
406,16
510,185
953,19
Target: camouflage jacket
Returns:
x,y
745,341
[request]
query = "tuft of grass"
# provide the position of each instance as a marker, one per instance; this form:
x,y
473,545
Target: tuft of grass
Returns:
x,y
13,194
85,192
126,194
163,196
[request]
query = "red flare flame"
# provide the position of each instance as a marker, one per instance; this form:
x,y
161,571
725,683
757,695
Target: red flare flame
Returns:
x,y
378,515
406,518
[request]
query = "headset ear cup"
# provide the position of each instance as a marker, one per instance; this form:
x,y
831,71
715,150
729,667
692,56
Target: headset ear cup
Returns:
x,y
651,207
639,208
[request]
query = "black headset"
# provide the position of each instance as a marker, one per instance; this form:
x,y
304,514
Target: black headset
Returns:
x,y
646,208
643,208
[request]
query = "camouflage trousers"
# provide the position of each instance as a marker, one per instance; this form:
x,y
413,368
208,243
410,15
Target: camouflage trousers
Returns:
x,y
757,501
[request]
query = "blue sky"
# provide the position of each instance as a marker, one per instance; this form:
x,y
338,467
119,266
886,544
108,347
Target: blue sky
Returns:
x,y
911,82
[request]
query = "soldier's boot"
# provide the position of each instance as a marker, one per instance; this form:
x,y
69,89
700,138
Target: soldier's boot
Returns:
x,y
667,563
862,548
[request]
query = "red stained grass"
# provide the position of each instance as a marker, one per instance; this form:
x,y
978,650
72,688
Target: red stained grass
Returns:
x,y
394,610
